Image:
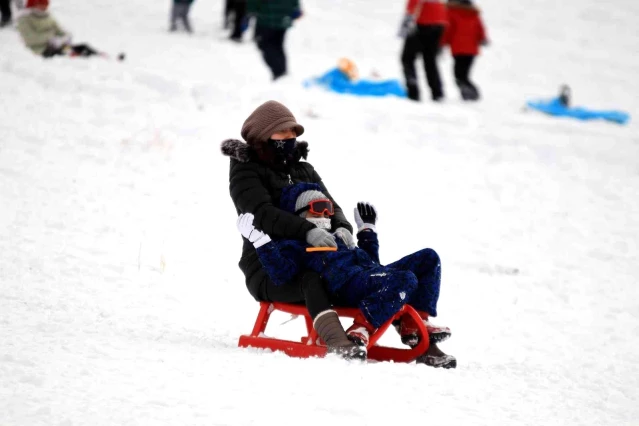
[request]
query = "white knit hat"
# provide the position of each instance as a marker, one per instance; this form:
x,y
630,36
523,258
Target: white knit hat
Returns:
x,y
306,197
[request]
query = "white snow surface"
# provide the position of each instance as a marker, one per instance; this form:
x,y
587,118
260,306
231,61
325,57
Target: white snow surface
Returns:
x,y
121,301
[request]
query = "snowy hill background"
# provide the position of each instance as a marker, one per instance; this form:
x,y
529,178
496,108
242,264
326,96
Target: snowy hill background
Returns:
x,y
120,297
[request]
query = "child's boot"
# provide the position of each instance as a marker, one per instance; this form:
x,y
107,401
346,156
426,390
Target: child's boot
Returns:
x,y
434,357
360,331
409,331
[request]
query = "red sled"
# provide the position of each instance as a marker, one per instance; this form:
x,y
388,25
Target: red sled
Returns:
x,y
311,345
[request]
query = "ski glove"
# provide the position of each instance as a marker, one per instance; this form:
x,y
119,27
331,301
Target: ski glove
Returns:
x,y
365,216
408,27
347,237
318,237
248,231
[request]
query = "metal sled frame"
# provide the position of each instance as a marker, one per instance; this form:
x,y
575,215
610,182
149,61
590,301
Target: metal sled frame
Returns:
x,y
310,345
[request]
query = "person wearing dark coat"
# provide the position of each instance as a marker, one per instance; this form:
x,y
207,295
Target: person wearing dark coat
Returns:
x,y
273,19
5,13
235,12
270,160
354,276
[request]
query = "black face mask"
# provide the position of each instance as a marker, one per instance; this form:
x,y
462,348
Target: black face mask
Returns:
x,y
281,149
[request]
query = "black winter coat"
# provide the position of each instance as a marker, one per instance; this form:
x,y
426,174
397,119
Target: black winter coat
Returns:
x,y
256,188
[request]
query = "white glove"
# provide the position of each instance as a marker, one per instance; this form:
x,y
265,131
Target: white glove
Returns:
x,y
248,231
347,237
365,216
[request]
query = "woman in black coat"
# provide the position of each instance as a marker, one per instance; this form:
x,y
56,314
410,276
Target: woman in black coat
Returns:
x,y
269,161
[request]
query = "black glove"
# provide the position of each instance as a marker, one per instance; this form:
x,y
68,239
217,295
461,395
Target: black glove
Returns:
x,y
365,216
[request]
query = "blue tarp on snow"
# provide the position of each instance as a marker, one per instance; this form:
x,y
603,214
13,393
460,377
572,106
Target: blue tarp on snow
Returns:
x,y
337,81
554,107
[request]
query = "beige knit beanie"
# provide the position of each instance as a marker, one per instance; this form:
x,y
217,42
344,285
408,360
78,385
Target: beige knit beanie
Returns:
x,y
270,117
306,197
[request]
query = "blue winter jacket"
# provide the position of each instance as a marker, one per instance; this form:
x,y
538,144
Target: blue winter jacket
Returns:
x,y
283,259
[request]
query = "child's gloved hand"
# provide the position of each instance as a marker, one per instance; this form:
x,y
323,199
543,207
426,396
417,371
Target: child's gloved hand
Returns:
x,y
365,216
318,237
248,231
297,13
347,237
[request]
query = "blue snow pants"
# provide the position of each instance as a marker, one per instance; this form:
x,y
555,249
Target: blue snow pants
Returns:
x,y
426,266
380,292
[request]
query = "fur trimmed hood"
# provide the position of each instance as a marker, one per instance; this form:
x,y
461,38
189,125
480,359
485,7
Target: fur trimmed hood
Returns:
x,y
244,153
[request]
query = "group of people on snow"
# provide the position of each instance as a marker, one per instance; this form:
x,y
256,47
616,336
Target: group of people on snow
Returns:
x,y
430,25
284,208
427,27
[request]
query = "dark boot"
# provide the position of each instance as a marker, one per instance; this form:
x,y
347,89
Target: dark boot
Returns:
x,y
330,330
412,91
434,357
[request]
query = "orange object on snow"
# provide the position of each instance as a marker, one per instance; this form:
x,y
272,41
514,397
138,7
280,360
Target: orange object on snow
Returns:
x,y
348,67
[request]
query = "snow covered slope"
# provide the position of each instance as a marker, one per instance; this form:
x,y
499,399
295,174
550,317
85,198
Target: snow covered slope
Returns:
x,y
120,297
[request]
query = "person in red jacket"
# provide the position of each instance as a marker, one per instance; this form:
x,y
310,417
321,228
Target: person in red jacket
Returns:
x,y
465,32
424,38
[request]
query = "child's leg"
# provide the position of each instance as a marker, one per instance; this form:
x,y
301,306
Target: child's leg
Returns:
x,y
379,293
426,266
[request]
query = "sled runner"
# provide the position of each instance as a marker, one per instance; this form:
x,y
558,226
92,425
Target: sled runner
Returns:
x,y
311,345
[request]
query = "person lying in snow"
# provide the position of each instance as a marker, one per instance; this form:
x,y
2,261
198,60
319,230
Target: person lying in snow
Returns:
x,y
354,275
42,34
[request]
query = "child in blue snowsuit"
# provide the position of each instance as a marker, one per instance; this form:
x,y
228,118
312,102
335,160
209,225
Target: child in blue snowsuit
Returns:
x,y
353,274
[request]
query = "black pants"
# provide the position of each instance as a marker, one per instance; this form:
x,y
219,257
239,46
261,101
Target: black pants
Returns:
x,y
463,64
239,20
424,41
5,11
307,288
229,9
76,50
270,41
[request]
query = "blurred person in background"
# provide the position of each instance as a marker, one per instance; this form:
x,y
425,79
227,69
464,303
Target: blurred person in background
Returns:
x,y
235,13
240,20
464,33
5,12
42,34
273,19
422,28
180,13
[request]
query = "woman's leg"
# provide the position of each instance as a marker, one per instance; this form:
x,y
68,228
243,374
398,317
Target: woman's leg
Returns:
x,y
308,287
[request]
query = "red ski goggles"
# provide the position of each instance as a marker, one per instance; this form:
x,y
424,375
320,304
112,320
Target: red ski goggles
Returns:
x,y
318,207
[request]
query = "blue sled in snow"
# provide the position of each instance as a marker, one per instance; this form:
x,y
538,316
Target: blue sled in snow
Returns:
x,y
336,81
556,108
